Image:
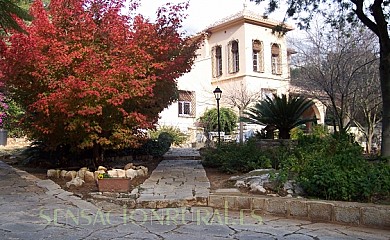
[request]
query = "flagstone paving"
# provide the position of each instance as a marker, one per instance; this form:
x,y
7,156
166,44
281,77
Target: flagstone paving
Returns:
x,y
177,181
31,208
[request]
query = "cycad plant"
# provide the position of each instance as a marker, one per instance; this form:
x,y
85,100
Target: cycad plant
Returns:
x,y
284,113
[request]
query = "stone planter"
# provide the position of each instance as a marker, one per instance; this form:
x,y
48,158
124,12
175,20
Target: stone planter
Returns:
x,y
114,184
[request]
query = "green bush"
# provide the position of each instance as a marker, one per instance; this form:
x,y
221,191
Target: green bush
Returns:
x,y
333,168
228,120
232,157
155,147
178,137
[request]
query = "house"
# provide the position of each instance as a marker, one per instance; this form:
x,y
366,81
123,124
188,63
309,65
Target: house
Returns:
x,y
240,51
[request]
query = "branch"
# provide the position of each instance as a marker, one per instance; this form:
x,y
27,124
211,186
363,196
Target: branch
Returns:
x,y
360,14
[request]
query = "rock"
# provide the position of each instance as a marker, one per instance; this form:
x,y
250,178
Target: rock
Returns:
x,y
121,173
140,173
290,191
53,173
63,173
289,195
101,168
298,190
288,185
70,175
81,173
272,186
240,183
257,188
273,195
89,176
77,182
131,173
234,178
112,173
129,166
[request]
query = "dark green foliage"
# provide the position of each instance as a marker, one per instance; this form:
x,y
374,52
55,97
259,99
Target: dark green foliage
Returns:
x,y
228,120
232,157
158,147
12,123
333,168
284,113
177,136
330,167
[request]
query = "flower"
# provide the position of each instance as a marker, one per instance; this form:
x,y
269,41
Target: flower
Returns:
x,y
103,175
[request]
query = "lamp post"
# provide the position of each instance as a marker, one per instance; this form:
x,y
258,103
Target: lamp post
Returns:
x,y
218,93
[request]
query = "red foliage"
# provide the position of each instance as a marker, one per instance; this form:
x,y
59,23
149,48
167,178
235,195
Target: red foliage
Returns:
x,y
88,75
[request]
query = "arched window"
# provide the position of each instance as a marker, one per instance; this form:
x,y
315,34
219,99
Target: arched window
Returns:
x,y
257,56
234,58
216,53
276,59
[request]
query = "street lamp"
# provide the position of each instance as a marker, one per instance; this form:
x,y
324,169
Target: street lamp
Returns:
x,y
218,93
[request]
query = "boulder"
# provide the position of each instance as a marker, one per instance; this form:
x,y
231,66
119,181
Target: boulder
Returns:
x,y
53,173
76,182
63,173
131,173
101,168
70,175
129,166
121,173
112,173
257,188
89,176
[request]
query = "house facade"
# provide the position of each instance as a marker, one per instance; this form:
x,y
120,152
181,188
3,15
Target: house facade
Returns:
x,y
238,52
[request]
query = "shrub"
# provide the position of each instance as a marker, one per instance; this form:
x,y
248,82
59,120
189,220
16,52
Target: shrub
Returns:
x,y
333,168
178,137
157,147
228,120
232,157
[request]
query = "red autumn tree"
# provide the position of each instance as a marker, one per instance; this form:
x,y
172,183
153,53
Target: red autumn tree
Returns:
x,y
89,76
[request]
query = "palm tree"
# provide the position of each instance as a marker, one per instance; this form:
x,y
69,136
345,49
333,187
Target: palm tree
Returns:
x,y
8,9
284,113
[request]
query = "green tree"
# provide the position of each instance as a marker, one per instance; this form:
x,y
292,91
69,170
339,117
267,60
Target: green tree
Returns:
x,y
374,15
284,113
228,120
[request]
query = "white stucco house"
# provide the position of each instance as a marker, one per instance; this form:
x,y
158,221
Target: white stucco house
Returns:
x,y
240,50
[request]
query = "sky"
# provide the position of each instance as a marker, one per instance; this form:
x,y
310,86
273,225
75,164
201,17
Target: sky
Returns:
x,y
203,13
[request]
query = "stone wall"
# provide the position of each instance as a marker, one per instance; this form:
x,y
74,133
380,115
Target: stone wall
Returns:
x,y
351,213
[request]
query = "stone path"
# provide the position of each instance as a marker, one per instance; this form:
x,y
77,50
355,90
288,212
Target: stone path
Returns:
x,y
176,183
31,208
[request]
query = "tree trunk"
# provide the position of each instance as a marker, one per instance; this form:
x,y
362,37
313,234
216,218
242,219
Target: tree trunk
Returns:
x,y
97,152
284,133
384,71
241,136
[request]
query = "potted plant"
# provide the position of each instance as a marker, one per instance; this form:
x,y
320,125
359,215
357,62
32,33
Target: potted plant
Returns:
x,y
106,183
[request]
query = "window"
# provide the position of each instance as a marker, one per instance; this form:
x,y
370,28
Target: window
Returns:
x,y
276,59
257,56
234,58
184,108
187,104
217,61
